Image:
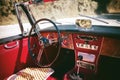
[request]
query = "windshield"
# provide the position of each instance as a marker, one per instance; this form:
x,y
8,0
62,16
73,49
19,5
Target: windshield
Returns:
x,y
102,11
62,9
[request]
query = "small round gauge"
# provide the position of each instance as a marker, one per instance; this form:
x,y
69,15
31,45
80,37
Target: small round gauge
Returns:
x,y
52,38
67,41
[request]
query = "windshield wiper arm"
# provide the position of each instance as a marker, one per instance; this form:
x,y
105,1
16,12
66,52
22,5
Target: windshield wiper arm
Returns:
x,y
49,22
94,18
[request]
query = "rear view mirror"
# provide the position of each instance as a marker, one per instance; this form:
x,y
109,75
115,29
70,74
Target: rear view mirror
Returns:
x,y
84,23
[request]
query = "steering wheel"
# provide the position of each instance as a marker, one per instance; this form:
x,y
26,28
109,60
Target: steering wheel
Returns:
x,y
43,50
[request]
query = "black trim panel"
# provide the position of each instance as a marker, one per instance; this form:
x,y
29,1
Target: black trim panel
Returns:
x,y
12,38
110,31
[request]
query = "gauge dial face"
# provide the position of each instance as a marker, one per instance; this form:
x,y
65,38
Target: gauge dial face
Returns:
x,y
84,23
67,41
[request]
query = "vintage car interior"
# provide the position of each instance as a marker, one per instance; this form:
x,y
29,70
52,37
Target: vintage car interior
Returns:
x,y
78,48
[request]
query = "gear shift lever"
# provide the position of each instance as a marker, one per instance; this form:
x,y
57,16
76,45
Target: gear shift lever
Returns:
x,y
80,57
77,76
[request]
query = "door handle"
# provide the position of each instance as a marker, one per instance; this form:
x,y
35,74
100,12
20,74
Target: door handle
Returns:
x,y
11,46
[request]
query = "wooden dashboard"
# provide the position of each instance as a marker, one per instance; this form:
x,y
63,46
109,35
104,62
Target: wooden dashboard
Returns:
x,y
89,46
109,46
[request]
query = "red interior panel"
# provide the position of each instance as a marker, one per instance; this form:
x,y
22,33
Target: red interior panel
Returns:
x,y
13,59
87,46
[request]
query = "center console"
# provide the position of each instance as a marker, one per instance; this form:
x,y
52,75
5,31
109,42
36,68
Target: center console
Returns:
x,y
87,49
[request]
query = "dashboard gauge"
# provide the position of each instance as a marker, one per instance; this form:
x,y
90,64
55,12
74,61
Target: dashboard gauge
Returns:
x,y
52,38
67,41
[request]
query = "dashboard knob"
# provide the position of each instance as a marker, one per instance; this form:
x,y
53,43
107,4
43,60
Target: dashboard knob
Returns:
x,y
80,57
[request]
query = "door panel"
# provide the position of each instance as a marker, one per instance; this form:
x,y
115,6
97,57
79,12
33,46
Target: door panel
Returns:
x,y
13,57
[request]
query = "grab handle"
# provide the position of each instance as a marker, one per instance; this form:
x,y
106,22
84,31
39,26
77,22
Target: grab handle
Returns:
x,y
11,46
